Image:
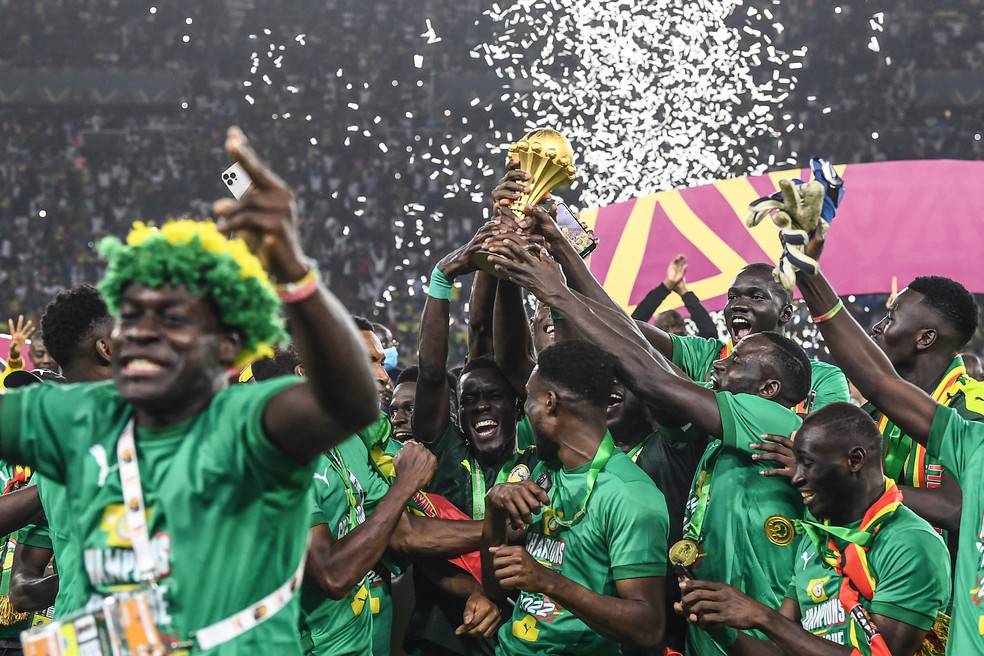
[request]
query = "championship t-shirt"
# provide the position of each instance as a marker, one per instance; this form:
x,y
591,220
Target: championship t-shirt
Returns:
x,y
212,484
959,444
436,614
617,539
344,490
55,533
747,534
911,567
695,355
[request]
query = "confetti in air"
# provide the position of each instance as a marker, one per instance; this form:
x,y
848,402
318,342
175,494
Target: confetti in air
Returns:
x,y
653,95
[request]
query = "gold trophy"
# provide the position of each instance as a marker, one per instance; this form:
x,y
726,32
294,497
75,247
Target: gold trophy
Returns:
x,y
549,159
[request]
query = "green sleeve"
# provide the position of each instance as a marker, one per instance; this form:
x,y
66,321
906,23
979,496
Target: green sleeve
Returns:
x,y
249,448
829,384
524,434
35,426
35,535
377,433
695,354
913,578
955,441
317,513
637,532
745,418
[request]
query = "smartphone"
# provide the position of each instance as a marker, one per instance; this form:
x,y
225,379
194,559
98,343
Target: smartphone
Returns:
x,y
575,231
237,180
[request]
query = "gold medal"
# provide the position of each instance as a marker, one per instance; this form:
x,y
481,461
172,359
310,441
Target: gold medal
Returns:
x,y
780,530
684,552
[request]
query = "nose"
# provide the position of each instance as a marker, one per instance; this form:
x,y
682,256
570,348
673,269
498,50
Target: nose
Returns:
x,y
879,327
799,478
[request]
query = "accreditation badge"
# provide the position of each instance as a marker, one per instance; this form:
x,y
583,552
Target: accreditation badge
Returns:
x,y
779,530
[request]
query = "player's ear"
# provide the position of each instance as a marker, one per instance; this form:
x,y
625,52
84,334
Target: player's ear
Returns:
x,y
925,338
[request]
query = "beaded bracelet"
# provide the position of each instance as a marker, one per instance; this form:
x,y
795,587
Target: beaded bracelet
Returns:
x,y
300,290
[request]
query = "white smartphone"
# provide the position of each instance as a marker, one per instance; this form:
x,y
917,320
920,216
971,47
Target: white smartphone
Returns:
x,y
237,180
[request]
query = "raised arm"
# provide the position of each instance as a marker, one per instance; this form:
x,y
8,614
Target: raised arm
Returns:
x,y
643,369
480,318
337,565
338,396
910,408
511,336
675,272
701,317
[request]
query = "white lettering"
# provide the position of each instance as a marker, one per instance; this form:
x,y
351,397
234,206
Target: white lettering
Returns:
x,y
829,613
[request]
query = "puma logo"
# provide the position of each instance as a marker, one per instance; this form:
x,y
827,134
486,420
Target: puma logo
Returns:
x,y
98,452
322,477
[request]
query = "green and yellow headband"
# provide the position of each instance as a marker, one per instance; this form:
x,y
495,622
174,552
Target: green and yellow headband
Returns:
x,y
195,255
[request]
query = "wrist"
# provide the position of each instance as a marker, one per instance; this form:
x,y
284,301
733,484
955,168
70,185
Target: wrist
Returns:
x,y
669,285
291,269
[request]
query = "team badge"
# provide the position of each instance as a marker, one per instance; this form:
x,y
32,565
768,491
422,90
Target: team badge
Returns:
x,y
780,530
519,473
816,590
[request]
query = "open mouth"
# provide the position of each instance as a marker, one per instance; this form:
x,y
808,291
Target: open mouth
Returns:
x,y
740,328
615,398
715,385
808,496
485,428
549,329
140,368
402,434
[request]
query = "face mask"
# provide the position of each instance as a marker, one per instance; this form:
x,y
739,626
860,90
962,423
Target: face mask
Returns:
x,y
391,356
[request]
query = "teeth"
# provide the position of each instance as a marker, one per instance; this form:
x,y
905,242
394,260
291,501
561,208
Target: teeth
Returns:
x,y
141,365
486,423
550,330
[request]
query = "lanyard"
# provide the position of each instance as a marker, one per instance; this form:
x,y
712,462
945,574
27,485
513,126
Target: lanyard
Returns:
x,y
477,488
694,520
338,465
601,458
633,453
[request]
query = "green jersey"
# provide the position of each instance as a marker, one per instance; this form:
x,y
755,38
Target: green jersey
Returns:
x,y
211,484
743,521
695,355
959,444
56,533
346,488
617,539
911,567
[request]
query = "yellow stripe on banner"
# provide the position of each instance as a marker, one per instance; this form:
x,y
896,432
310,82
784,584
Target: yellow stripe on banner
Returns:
x,y
739,193
705,240
785,174
631,248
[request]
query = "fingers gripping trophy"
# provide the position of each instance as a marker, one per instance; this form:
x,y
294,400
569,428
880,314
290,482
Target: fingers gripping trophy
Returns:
x,y
548,158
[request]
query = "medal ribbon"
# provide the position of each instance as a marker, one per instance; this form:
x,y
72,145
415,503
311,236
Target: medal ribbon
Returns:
x,y
601,458
851,564
634,452
694,520
900,457
339,466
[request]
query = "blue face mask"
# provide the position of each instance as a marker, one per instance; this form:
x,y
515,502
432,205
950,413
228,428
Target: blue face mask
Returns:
x,y
391,357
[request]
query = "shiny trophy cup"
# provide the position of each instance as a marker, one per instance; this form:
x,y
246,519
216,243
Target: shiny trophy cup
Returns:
x,y
549,159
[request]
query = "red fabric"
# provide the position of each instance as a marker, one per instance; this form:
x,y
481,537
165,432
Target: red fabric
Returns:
x,y
434,505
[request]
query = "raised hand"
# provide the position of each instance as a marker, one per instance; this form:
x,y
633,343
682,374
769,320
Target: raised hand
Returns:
x,y
459,261
676,273
511,187
481,617
415,466
19,334
530,265
520,501
266,216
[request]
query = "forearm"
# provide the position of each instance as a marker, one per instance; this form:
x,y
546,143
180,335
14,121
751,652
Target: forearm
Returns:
x,y
32,593
701,317
511,339
18,509
431,402
430,536
448,578
865,364
746,645
352,556
791,638
647,308
332,351
935,507
480,314
579,276
493,535
622,620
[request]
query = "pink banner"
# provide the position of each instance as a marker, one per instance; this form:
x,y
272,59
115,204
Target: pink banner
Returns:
x,y
902,219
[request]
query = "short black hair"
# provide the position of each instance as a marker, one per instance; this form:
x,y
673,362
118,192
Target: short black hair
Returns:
x,y
847,423
69,319
952,302
792,365
581,368
283,363
362,323
486,362
778,289
408,375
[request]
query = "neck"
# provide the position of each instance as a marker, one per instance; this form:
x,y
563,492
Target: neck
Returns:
x,y
858,500
498,456
926,370
580,444
626,438
83,373
192,405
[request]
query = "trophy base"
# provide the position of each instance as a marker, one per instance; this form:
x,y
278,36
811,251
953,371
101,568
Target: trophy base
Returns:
x,y
481,260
